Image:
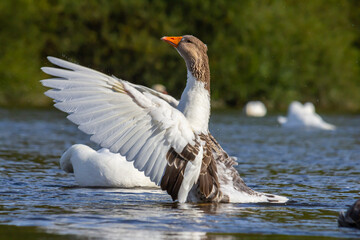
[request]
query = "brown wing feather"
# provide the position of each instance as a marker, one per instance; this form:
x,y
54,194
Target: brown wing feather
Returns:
x,y
174,174
229,162
174,171
208,184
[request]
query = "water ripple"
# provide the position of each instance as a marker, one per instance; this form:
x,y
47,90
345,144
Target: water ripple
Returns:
x,y
319,172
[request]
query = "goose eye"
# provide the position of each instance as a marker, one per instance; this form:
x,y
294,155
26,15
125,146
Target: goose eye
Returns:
x,y
188,41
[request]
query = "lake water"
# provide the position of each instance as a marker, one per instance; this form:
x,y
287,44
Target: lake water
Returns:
x,y
318,170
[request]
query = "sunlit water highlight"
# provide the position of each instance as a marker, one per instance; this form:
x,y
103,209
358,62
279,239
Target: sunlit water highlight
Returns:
x,y
318,170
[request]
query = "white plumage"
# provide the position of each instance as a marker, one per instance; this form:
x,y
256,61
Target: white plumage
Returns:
x,y
167,140
255,109
304,116
137,124
120,116
191,175
197,114
101,168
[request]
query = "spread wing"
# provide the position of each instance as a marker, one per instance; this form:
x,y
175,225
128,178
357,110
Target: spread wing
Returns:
x,y
172,101
138,122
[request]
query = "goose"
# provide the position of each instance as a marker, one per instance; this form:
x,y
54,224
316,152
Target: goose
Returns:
x,y
304,116
160,88
102,168
168,140
255,109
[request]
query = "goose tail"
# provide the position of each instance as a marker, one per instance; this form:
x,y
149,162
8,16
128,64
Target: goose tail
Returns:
x,y
271,198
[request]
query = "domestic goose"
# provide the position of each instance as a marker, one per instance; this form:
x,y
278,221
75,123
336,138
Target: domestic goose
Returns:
x,y
101,168
304,116
167,139
255,109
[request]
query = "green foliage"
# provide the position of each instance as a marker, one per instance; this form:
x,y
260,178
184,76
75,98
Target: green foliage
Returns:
x,y
19,54
274,51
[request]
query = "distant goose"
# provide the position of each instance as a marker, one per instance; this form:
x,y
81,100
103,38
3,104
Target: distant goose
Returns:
x,y
304,116
160,88
352,217
102,168
168,140
255,109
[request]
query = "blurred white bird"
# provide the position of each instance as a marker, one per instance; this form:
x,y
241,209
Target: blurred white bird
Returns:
x,y
160,88
102,168
304,116
255,109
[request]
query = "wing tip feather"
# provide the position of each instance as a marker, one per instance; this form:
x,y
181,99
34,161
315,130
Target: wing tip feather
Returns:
x,y
52,59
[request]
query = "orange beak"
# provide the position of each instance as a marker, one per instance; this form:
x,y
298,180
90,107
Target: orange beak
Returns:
x,y
174,41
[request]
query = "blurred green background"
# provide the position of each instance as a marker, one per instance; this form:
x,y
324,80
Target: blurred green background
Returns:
x,y
273,51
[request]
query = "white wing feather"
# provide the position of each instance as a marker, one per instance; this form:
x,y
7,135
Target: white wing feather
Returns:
x,y
136,121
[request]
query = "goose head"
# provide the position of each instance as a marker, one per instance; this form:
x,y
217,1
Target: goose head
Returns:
x,y
194,52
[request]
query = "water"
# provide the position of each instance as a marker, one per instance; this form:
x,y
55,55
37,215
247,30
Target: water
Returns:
x,y
318,170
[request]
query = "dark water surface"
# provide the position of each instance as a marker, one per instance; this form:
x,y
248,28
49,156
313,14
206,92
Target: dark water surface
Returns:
x,y
318,170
